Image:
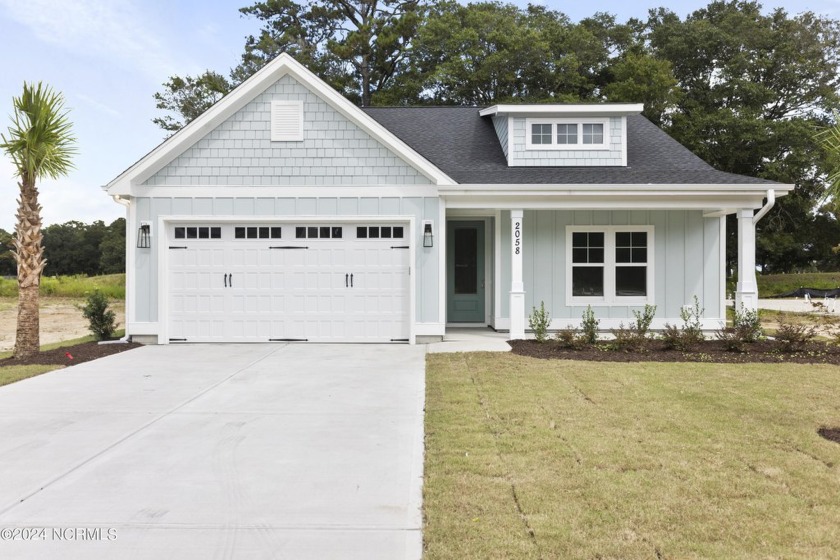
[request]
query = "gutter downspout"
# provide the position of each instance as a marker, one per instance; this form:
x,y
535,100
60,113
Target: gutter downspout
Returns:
x,y
123,202
771,201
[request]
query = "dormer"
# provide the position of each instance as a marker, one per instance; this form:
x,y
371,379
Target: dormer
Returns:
x,y
573,135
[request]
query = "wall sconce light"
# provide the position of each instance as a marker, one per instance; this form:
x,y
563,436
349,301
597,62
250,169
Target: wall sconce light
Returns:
x,y
428,236
144,236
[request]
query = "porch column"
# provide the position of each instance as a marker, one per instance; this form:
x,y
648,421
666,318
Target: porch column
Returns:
x,y
746,291
517,288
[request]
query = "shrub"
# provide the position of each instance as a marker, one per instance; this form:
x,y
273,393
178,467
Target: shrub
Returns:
x,y
589,326
539,321
748,325
746,329
569,338
100,319
793,338
634,338
690,334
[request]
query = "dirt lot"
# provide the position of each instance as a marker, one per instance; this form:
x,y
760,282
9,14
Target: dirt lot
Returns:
x,y
61,319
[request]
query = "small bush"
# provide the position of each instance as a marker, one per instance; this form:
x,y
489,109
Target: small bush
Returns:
x,y
748,325
569,338
793,338
539,321
691,332
101,320
589,326
644,319
732,338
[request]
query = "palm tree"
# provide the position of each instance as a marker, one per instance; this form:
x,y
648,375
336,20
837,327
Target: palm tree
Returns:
x,y
829,138
40,144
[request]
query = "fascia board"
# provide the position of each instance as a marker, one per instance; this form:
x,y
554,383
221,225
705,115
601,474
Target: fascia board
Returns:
x,y
628,189
605,109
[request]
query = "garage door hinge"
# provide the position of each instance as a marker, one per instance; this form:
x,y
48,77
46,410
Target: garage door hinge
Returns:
x,y
288,340
399,247
399,340
288,247
173,247
177,340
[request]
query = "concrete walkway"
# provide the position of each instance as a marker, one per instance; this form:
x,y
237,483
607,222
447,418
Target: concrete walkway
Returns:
x,y
217,451
471,339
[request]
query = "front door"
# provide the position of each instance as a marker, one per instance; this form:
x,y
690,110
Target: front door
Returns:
x,y
465,272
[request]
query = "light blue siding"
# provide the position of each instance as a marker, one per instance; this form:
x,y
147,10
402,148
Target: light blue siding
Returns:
x,y
425,271
335,151
522,156
686,260
501,126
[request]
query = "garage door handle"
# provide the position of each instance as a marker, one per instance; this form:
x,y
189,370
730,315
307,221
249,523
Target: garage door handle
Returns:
x,y
351,280
225,280
346,284
230,280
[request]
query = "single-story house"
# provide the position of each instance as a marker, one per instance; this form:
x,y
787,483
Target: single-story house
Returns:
x,y
285,212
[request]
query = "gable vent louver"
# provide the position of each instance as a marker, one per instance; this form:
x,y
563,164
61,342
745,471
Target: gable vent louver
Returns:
x,y
286,121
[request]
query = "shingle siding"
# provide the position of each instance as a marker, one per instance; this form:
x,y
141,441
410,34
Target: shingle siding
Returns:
x,y
566,158
501,126
334,150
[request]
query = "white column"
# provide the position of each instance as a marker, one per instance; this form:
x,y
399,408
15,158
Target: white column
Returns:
x,y
746,291
517,287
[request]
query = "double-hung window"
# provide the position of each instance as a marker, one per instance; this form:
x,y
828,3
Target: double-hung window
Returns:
x,y
609,265
567,134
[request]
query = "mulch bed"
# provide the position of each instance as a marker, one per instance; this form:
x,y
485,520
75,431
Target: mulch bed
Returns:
x,y
831,434
71,355
707,351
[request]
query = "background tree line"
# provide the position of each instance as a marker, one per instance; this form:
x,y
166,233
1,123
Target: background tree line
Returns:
x,y
746,91
74,248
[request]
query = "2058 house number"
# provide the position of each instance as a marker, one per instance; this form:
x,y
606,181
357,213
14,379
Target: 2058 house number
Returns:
x,y
517,238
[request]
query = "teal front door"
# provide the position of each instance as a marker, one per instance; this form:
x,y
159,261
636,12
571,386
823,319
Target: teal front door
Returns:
x,y
465,272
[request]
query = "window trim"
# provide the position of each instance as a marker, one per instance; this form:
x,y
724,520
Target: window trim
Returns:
x,y
574,147
610,299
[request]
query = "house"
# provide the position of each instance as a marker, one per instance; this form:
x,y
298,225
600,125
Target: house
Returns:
x,y
285,212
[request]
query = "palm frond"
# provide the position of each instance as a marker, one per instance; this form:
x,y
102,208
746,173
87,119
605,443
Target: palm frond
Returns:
x,y
40,140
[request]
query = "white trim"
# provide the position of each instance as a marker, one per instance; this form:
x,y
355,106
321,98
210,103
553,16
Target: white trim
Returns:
x,y
497,262
278,108
130,267
604,109
510,141
442,293
591,203
163,260
143,328
281,66
579,146
624,141
586,188
297,191
609,299
723,269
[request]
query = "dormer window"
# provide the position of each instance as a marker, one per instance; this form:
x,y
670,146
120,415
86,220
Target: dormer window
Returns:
x,y
567,134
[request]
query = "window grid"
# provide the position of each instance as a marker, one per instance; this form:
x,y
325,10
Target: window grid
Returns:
x,y
319,232
198,232
567,134
541,134
380,232
593,133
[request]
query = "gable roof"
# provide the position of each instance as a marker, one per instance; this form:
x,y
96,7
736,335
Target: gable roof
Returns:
x,y
226,107
464,145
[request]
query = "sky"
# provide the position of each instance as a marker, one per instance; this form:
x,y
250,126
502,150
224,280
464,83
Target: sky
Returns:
x,y
109,57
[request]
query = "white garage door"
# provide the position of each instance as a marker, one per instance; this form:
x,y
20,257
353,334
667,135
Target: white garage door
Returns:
x,y
281,282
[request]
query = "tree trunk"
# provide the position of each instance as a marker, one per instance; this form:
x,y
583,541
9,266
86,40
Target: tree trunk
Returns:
x,y
29,255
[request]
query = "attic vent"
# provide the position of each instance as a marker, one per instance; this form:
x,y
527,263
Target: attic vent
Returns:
x,y
286,121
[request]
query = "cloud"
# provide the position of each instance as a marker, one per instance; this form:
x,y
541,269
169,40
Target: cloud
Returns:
x,y
98,105
113,30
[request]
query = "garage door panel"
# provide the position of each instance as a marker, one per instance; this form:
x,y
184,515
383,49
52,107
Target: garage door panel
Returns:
x,y
282,293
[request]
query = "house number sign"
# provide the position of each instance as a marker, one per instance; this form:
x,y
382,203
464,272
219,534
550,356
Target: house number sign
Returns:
x,y
517,237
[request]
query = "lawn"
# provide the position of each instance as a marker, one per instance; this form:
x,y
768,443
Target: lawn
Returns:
x,y
528,458
775,284
77,286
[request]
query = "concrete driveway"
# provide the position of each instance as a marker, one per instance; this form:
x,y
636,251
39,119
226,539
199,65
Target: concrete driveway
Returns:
x,y
217,451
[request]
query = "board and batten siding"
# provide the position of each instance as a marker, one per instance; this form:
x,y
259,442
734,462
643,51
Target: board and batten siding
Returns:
x,y
334,151
687,261
522,156
425,271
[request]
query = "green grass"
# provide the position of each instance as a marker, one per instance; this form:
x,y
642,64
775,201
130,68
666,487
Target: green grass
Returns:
x,y
112,285
776,284
529,458
10,374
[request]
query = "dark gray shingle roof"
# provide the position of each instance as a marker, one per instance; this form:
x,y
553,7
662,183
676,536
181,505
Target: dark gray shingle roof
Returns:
x,y
464,145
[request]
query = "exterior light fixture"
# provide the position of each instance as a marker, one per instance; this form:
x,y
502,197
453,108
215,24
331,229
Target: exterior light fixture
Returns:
x,y
428,236
144,236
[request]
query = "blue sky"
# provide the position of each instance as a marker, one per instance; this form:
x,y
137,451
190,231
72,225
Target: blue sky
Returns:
x,y
108,57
